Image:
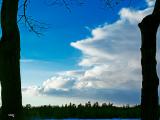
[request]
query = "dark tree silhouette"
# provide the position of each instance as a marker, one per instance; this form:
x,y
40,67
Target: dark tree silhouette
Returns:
x,y
150,80
10,58
10,62
82,111
149,96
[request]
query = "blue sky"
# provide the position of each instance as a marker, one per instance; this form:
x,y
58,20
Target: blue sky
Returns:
x,y
84,55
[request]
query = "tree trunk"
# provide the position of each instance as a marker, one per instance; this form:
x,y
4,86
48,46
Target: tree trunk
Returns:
x,y
10,62
149,97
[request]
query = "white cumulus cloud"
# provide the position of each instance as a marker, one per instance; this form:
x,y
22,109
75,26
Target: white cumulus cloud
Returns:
x,y
110,64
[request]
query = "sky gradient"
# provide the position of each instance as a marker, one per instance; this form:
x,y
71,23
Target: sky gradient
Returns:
x,y
89,54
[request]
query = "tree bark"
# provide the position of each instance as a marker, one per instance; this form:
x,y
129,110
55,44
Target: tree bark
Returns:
x,y
150,82
10,62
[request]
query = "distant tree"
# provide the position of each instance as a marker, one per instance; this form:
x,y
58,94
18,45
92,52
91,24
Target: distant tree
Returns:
x,y
96,104
88,104
28,106
104,105
80,106
66,105
110,104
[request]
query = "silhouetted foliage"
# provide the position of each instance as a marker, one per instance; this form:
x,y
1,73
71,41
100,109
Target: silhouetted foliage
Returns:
x,y
88,110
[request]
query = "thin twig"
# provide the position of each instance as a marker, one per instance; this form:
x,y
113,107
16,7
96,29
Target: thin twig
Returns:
x,y
33,25
66,5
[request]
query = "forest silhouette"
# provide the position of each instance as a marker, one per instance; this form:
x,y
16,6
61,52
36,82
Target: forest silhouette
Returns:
x,y
87,110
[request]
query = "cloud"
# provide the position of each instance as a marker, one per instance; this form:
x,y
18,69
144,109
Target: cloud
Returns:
x,y
150,2
32,91
109,67
133,16
117,96
59,83
112,53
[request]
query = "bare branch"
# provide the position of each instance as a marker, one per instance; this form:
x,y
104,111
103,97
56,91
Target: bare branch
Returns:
x,y
113,3
33,25
52,2
66,5
108,3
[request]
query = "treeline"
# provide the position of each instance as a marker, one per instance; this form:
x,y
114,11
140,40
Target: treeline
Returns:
x,y
82,111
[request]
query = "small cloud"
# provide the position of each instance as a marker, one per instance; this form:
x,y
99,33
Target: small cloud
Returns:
x,y
59,83
27,60
32,91
134,16
87,28
150,2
